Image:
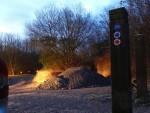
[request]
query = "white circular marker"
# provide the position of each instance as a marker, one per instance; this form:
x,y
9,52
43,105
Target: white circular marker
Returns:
x,y
117,42
117,34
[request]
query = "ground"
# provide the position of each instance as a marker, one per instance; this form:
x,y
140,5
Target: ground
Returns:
x,y
24,98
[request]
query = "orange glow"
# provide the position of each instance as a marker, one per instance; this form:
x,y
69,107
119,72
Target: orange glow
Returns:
x,y
45,74
42,76
103,65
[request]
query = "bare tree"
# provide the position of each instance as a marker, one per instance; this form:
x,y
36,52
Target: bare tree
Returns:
x,y
19,54
62,33
139,11
9,51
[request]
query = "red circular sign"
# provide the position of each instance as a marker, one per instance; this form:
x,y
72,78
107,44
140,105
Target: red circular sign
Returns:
x,y
117,42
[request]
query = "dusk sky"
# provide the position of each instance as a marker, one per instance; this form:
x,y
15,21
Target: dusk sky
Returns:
x,y
15,13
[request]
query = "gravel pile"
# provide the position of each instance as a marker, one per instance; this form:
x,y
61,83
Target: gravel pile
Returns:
x,y
76,77
54,82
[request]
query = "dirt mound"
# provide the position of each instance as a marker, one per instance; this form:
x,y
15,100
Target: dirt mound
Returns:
x,y
76,77
84,77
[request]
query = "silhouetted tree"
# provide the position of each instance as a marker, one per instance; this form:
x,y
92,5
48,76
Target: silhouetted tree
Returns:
x,y
63,34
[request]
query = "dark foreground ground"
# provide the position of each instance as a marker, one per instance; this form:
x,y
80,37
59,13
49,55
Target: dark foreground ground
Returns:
x,y
24,98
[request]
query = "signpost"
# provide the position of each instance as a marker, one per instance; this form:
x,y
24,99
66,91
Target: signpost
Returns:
x,y
120,61
3,87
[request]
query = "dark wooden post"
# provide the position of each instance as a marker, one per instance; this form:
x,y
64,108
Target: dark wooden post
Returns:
x,y
141,71
120,61
3,87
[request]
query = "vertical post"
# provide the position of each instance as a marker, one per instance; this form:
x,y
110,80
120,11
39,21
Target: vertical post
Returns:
x,y
120,61
3,87
141,72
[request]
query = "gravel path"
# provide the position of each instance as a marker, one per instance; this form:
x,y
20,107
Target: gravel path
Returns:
x,y
87,100
72,101
24,98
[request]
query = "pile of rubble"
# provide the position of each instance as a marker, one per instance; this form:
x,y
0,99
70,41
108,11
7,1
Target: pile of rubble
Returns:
x,y
54,82
76,77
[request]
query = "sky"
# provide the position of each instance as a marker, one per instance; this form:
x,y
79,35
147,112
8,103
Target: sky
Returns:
x,y
14,14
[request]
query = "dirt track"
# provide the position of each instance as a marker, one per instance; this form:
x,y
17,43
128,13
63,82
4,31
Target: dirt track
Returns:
x,y
72,101
24,99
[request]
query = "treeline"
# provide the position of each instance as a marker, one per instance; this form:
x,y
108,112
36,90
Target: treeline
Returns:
x,y
62,38
19,55
139,21
57,39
